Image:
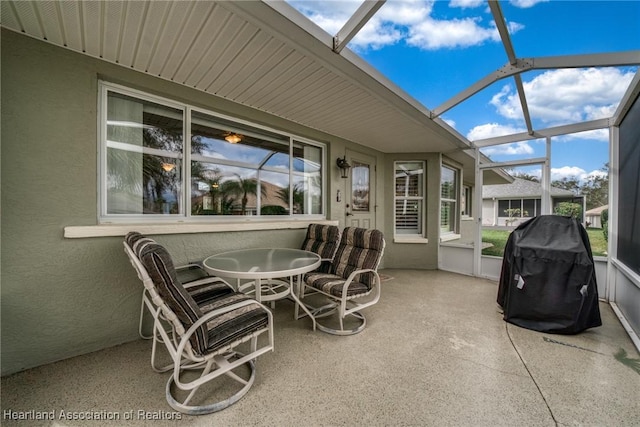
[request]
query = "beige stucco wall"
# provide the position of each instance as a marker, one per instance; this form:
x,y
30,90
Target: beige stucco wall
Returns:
x,y
414,255
63,297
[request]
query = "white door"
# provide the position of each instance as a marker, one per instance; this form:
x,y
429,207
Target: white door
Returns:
x,y
361,191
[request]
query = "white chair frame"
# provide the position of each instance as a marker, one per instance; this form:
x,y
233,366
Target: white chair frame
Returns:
x,y
178,345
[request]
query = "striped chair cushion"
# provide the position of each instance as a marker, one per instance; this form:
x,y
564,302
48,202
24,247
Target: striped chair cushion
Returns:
x,y
360,248
323,240
197,281
235,324
202,298
332,284
159,266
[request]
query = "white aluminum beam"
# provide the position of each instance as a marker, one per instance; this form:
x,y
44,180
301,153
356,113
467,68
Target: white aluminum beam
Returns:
x,y
542,63
544,133
523,103
498,17
614,59
513,163
359,18
507,70
627,100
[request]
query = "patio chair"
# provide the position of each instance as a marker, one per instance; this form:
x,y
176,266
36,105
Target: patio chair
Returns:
x,y
352,282
204,338
193,277
323,240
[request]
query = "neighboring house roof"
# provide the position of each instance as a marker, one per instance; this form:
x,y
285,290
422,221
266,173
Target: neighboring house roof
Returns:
x,y
270,197
596,211
521,188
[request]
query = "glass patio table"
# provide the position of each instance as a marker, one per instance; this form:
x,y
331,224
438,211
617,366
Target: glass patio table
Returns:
x,y
267,268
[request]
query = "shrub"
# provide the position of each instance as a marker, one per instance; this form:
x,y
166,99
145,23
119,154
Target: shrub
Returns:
x,y
569,209
604,218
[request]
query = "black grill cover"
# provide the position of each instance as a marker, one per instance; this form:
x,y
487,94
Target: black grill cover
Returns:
x,y
548,280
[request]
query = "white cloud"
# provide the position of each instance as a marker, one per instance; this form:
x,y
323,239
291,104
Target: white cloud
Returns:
x,y
450,122
466,3
436,34
408,20
558,174
600,135
513,149
567,95
492,130
523,4
597,173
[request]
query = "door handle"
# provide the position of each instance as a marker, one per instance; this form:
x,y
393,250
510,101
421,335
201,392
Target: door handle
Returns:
x,y
349,214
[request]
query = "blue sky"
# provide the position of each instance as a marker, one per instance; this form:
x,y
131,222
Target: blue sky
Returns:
x,y
435,49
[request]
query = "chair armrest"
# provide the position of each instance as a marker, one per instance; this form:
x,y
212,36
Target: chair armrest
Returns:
x,y
211,314
355,273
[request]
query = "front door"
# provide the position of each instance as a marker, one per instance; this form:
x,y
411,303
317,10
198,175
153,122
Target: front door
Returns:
x,y
361,191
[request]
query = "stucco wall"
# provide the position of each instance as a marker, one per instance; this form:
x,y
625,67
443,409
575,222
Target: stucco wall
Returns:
x,y
414,255
63,297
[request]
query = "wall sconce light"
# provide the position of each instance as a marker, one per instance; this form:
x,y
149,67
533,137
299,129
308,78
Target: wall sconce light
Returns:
x,y
168,167
344,166
233,138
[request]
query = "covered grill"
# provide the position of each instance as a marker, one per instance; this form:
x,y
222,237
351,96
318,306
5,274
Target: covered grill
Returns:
x,y
548,280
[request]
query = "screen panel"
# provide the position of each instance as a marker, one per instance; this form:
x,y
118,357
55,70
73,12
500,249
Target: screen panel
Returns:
x,y
629,190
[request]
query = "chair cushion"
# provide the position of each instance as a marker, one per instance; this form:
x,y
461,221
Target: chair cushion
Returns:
x,y
359,249
207,289
135,241
159,266
233,325
322,239
332,284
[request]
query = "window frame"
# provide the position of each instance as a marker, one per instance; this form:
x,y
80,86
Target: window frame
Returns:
x,y
185,214
456,200
422,221
466,210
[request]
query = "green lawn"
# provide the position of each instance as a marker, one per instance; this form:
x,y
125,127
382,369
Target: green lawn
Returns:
x,y
498,238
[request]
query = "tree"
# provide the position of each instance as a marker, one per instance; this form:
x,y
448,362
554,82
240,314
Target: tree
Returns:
x,y
596,189
243,187
604,218
524,175
569,209
571,183
298,197
514,215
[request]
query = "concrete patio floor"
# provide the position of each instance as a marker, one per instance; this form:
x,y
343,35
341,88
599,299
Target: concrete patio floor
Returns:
x,y
435,352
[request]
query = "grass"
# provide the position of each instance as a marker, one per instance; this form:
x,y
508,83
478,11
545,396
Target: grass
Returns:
x,y
498,238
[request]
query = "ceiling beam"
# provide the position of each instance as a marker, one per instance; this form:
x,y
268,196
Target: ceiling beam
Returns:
x,y
498,17
501,24
359,18
628,99
507,70
542,63
544,133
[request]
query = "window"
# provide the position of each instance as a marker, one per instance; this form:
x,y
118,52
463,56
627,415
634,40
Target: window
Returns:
x,y
167,161
519,208
409,198
467,198
448,200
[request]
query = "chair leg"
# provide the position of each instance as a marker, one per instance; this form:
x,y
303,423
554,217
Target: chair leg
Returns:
x,y
182,405
331,309
142,310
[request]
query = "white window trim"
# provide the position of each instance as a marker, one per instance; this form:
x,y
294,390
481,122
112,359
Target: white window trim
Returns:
x,y
111,230
417,237
104,219
456,213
